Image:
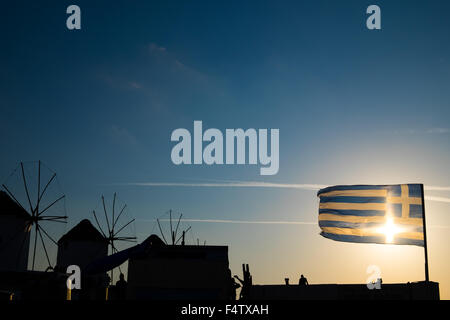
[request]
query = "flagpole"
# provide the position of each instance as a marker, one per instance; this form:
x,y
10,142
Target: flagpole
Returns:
x,y
427,278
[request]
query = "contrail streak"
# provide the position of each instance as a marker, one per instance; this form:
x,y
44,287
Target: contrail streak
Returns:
x,y
235,184
250,184
438,199
436,188
254,184
241,221
259,222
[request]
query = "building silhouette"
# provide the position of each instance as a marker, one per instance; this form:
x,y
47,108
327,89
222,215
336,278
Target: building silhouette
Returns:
x,y
14,235
80,246
398,291
180,272
156,271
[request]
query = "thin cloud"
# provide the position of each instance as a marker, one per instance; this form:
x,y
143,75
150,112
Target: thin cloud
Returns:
x,y
438,130
120,82
174,65
253,184
262,222
135,85
122,136
234,184
436,188
423,131
240,221
154,48
438,199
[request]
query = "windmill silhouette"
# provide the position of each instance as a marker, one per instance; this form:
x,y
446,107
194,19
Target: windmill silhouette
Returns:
x,y
111,231
39,199
173,236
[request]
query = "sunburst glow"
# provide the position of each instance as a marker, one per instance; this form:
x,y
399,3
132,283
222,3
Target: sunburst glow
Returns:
x,y
390,229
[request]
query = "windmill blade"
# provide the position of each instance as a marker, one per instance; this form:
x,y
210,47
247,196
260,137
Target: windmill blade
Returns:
x,y
124,226
178,223
125,238
120,213
114,204
46,186
34,250
45,232
26,189
171,230
98,224
130,239
43,245
38,186
52,204
62,219
106,215
185,231
162,234
54,218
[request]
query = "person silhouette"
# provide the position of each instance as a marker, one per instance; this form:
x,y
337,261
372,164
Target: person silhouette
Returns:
x,y
303,281
244,287
121,286
232,286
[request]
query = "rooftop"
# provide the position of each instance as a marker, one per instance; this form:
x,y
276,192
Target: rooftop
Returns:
x,y
10,207
83,231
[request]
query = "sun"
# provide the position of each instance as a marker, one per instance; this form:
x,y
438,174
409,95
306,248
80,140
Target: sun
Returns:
x,y
390,229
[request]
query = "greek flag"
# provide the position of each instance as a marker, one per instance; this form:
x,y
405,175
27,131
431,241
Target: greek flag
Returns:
x,y
387,214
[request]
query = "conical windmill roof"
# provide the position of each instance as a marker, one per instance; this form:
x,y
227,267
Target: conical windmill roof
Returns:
x,y
83,231
9,207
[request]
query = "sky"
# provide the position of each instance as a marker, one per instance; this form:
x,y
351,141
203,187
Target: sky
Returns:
x,y
352,105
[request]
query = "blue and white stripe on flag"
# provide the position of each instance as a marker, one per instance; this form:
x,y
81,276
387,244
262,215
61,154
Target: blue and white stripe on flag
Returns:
x,y
387,214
